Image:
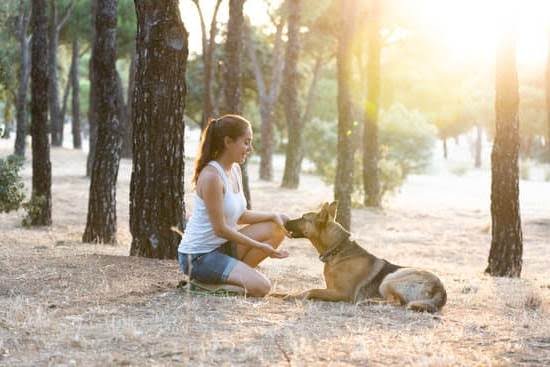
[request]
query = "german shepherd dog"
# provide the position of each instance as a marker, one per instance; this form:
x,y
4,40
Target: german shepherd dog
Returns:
x,y
352,274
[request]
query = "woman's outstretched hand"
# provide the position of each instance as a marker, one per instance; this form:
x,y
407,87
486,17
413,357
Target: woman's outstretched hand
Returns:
x,y
281,219
279,254
274,253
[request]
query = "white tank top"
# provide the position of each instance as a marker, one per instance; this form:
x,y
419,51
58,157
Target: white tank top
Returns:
x,y
199,236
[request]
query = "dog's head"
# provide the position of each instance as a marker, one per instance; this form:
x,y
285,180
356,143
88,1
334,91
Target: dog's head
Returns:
x,y
312,225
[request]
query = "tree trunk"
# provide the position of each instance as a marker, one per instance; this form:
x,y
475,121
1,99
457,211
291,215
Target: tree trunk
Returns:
x,y
56,125
479,145
343,184
505,257
75,80
267,97
101,222
291,176
208,48
66,93
158,103
445,148
371,183
122,112
41,166
92,105
233,73
127,137
24,72
311,94
8,118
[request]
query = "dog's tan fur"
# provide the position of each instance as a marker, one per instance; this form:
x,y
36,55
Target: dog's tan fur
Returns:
x,y
352,274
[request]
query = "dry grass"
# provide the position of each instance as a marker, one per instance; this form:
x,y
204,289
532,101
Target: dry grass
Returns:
x,y
67,303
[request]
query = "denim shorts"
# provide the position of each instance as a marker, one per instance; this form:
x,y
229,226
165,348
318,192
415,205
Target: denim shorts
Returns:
x,y
210,267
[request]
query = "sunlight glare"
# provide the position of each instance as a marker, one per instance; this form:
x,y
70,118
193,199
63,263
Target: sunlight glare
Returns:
x,y
469,29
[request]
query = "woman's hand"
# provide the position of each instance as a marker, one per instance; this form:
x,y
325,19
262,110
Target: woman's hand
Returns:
x,y
279,254
274,253
281,219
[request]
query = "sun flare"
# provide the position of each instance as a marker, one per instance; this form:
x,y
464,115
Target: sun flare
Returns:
x,y
469,29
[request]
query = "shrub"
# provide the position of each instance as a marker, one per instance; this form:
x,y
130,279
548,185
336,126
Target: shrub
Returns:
x,y
33,207
406,140
408,137
11,187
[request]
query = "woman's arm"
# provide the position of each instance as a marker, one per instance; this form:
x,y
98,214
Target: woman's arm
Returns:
x,y
255,216
210,188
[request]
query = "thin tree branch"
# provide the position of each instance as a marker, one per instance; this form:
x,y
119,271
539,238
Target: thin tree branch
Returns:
x,y
65,17
203,29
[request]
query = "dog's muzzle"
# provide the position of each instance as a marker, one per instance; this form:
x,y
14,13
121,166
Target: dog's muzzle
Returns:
x,y
293,228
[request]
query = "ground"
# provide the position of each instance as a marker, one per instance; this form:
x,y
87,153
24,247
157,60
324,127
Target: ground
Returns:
x,y
63,302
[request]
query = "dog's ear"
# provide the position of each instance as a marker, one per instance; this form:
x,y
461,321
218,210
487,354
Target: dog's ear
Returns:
x,y
331,208
323,215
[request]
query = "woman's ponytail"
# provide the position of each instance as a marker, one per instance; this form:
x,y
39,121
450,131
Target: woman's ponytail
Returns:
x,y
208,149
213,139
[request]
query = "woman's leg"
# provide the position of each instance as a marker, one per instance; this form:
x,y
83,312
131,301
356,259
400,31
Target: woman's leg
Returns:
x,y
254,282
267,232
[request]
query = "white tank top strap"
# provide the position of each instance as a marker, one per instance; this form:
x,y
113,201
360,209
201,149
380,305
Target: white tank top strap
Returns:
x,y
235,169
221,172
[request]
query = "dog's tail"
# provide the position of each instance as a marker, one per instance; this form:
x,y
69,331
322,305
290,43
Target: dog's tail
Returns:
x,y
177,230
430,305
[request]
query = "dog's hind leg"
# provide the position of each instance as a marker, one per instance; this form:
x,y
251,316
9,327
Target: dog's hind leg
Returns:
x,y
390,294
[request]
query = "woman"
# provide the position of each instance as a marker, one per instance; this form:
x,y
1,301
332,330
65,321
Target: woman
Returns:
x,y
213,249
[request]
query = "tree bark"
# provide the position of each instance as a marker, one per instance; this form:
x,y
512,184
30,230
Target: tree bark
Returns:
x,y
75,80
371,183
24,73
505,257
291,175
41,166
343,183
158,103
101,223
233,74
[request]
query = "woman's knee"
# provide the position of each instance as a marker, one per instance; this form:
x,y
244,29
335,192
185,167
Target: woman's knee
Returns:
x,y
258,287
277,234
255,283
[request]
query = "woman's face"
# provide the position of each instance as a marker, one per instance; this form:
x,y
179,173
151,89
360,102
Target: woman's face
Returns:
x,y
240,148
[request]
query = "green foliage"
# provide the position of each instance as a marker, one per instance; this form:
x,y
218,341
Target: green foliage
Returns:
x,y
10,48
11,187
409,138
406,140
33,208
391,176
